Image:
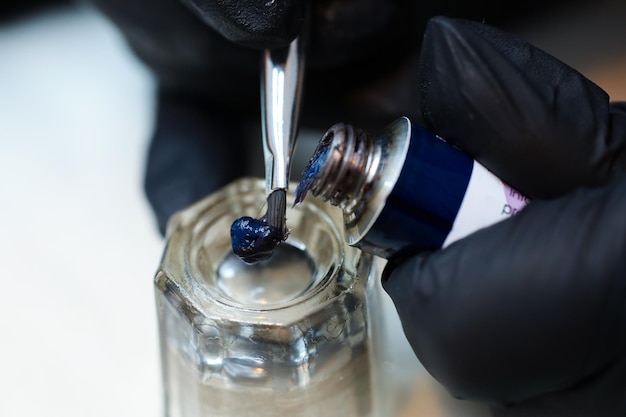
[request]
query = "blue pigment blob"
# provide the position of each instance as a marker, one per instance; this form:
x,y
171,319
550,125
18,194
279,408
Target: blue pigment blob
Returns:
x,y
254,240
313,168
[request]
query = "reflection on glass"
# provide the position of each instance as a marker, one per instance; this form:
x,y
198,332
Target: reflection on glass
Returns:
x,y
289,336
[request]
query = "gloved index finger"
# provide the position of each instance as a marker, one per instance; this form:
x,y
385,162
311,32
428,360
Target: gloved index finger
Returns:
x,y
535,122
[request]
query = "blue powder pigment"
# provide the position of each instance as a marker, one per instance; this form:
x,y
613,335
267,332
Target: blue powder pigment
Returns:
x,y
254,240
313,168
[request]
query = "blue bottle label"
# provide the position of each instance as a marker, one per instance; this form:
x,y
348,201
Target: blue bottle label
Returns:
x,y
440,196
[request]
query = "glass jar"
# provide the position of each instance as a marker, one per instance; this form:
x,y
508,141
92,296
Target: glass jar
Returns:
x,y
290,336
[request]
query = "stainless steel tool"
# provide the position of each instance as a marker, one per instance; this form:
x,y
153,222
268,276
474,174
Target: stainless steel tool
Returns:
x,y
281,88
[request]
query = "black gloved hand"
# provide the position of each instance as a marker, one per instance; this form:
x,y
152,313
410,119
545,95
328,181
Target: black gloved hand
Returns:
x,y
208,121
529,314
202,54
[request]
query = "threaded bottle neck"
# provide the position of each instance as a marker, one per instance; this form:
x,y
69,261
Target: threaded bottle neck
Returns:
x,y
349,167
356,172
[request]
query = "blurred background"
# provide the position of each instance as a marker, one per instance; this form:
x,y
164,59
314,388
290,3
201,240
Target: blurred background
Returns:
x,y
78,243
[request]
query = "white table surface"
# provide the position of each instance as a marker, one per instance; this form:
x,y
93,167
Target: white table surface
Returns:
x,y
78,246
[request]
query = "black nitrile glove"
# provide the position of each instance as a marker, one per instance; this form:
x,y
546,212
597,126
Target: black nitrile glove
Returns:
x,y
192,141
360,68
10,10
529,314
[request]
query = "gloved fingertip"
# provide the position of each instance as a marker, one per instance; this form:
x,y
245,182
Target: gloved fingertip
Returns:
x,y
271,25
532,120
462,61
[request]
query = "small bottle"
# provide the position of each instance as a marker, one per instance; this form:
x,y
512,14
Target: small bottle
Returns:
x,y
295,335
406,189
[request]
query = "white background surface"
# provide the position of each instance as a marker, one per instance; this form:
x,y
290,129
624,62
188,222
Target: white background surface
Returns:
x,y
78,246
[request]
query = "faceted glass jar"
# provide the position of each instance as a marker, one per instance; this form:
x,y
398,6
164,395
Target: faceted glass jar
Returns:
x,y
291,336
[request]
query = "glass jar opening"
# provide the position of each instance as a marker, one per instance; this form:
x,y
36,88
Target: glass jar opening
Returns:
x,y
298,269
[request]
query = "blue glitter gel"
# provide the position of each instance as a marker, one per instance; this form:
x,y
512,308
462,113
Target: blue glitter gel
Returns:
x,y
254,240
313,168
